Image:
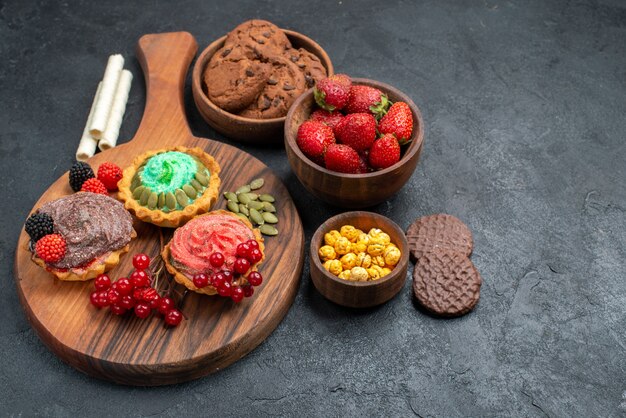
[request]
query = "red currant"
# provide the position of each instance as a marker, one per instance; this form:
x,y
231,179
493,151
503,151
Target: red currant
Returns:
x,y
253,244
248,290
140,278
118,309
127,302
103,298
218,279
114,286
242,249
173,317
255,278
200,280
102,282
94,299
237,294
254,255
216,260
149,294
228,275
225,289
124,287
114,296
142,310
141,261
241,265
154,303
165,305
138,293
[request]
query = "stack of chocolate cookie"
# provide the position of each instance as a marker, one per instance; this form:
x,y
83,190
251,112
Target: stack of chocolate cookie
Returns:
x,y
445,281
258,73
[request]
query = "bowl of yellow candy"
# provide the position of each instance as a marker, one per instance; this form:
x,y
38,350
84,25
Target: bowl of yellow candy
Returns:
x,y
359,259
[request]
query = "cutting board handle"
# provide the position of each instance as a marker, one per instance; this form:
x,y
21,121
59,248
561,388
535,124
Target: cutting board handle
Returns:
x,y
165,58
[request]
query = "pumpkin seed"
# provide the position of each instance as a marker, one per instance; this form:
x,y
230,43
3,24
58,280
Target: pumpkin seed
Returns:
x,y
256,205
244,209
268,229
202,178
230,196
242,216
196,185
232,206
170,200
190,191
269,217
181,198
243,198
256,217
257,183
145,195
137,192
135,183
161,201
243,189
153,199
267,198
268,207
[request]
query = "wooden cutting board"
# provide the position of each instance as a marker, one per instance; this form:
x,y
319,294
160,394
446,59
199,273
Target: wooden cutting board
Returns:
x,y
216,331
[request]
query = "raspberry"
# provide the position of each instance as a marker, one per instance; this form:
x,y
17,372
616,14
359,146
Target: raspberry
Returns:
x,y
94,185
109,174
38,225
51,248
79,173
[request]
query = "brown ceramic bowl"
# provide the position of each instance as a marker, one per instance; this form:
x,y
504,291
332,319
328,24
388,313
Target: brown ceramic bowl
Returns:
x,y
359,294
352,190
249,130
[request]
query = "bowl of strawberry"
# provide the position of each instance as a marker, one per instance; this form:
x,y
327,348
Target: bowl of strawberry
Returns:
x,y
353,142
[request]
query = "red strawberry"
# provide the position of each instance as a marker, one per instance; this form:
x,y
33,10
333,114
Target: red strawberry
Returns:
x,y
366,99
363,167
313,138
51,248
332,93
385,152
342,158
357,130
109,174
398,121
94,185
329,118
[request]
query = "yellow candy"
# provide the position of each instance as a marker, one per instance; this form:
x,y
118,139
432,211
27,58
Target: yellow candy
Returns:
x,y
374,249
327,252
350,232
373,273
379,237
392,255
342,246
359,274
331,236
385,271
345,275
333,267
378,260
363,260
348,261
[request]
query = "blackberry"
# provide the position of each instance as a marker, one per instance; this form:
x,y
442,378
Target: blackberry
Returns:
x,y
38,225
80,172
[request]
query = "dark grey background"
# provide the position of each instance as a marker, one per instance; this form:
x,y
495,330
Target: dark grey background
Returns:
x,y
524,104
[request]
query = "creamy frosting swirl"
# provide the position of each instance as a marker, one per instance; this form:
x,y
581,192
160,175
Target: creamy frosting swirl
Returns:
x,y
92,224
169,171
193,243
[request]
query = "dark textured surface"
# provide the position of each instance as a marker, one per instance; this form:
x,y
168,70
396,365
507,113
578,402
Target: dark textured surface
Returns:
x,y
524,104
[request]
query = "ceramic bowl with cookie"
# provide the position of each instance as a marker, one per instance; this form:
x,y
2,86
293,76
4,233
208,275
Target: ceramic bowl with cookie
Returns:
x,y
359,259
244,83
369,148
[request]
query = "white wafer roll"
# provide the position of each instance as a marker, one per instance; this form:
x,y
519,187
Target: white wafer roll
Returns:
x,y
112,131
109,85
87,145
